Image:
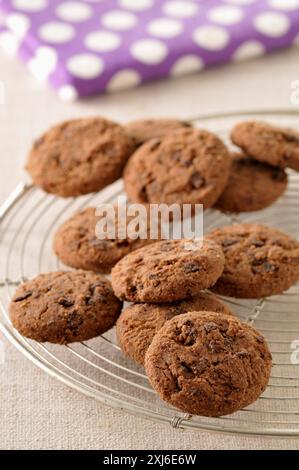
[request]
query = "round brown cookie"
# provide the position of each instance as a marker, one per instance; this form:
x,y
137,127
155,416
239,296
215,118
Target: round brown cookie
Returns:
x,y
145,129
187,167
208,364
252,185
79,156
259,261
137,325
167,271
76,243
275,145
63,307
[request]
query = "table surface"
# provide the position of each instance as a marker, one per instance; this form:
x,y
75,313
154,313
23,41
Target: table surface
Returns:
x,y
36,411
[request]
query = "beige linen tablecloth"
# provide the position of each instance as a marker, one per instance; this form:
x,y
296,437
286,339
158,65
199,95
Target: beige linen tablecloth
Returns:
x,y
37,412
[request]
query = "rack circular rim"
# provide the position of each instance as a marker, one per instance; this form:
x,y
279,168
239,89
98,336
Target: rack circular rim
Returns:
x,y
176,419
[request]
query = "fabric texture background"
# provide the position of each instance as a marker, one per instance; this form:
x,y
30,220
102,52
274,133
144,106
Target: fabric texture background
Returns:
x,y
87,47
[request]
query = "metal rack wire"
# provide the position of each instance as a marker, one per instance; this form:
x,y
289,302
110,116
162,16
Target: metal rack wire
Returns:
x,y
28,220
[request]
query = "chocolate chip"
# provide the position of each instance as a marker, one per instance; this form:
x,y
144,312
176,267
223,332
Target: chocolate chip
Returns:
x,y
269,267
74,319
66,302
291,137
260,339
123,243
93,287
200,366
88,300
210,326
277,174
190,268
186,124
23,297
228,242
257,243
154,145
214,346
257,261
186,368
186,163
187,334
259,265
243,354
197,180
143,193
152,276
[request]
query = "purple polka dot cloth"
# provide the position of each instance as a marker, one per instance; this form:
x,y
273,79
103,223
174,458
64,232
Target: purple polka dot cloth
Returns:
x,y
91,46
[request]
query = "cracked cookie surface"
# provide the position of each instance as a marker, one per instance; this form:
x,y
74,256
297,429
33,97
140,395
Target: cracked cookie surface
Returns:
x,y
187,167
76,243
79,156
208,364
137,324
167,271
143,130
275,145
63,307
252,185
259,261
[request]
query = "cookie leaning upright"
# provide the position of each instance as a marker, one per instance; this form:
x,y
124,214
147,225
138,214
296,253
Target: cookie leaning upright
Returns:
x,y
79,156
252,185
208,364
143,130
137,324
167,271
275,145
64,306
190,166
259,261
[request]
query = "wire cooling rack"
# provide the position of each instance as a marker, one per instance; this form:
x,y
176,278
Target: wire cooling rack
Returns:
x,y
28,220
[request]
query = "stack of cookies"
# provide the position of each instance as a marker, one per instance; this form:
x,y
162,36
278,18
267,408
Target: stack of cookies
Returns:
x,y
198,356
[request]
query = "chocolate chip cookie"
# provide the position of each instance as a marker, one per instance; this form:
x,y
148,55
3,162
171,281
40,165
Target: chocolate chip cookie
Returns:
x,y
145,129
259,261
186,167
167,271
275,145
78,244
79,156
208,364
252,185
63,307
138,323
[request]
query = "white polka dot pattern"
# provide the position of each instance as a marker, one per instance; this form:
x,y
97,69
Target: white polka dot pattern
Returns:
x,y
165,27
56,32
123,80
102,41
187,64
248,50
272,24
119,20
85,66
211,38
73,11
149,51
88,46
